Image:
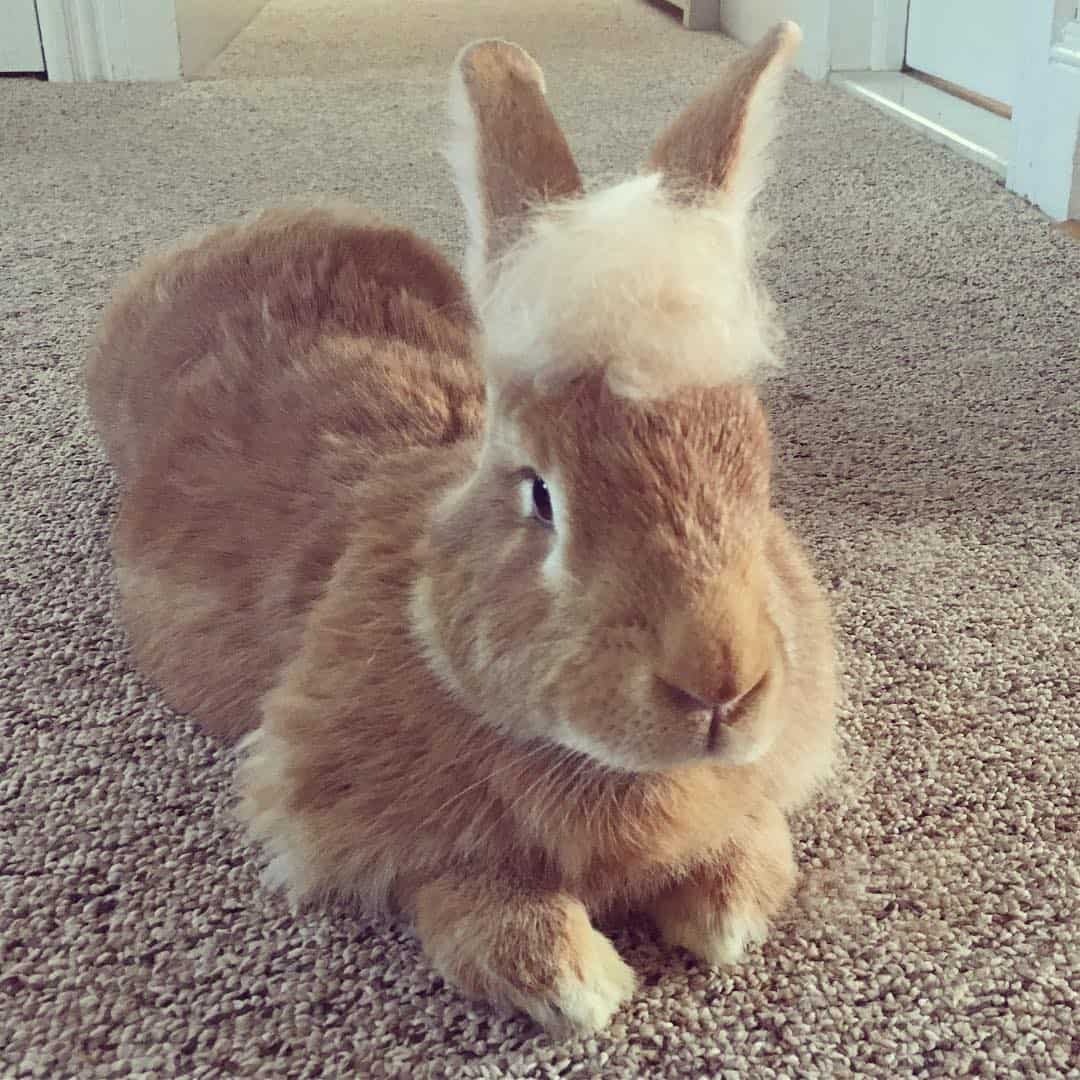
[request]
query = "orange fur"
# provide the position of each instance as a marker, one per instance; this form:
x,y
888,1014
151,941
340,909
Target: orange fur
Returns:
x,y
243,386
495,728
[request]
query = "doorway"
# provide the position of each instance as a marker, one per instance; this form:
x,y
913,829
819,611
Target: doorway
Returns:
x,y
996,80
967,47
20,42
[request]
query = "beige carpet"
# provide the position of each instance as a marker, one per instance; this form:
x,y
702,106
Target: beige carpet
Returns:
x,y
928,448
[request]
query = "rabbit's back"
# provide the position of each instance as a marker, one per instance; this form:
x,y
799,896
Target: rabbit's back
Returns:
x,y
244,307
244,387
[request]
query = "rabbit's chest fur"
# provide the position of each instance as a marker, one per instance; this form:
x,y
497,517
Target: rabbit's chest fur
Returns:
x,y
366,747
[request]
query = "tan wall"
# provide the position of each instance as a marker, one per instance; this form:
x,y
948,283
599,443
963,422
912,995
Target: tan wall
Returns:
x,y
207,26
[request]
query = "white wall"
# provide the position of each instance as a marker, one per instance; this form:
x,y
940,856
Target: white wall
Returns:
x,y
747,20
207,26
838,35
20,45
867,35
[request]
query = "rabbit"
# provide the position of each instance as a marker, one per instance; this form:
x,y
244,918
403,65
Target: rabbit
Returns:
x,y
481,570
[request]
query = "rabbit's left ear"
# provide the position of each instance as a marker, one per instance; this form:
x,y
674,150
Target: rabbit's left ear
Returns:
x,y
715,151
507,152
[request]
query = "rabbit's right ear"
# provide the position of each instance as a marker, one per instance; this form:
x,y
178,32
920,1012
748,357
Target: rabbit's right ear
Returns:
x,y
715,151
507,150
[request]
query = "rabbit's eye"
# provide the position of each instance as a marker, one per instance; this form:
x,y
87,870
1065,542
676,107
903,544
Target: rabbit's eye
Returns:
x,y
535,498
541,502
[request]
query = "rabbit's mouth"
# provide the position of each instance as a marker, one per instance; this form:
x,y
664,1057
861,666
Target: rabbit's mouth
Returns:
x,y
722,717
712,739
743,730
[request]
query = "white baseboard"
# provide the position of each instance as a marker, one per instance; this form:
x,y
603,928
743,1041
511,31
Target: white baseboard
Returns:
x,y
972,132
1066,47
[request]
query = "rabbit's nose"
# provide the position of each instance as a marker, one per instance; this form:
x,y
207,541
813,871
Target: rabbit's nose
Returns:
x,y
716,649
722,705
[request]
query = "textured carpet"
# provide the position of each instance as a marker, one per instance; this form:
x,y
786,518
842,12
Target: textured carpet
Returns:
x,y
928,449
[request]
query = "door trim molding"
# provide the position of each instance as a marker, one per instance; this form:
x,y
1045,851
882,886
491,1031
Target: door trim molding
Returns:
x,y
109,40
1044,164
1066,47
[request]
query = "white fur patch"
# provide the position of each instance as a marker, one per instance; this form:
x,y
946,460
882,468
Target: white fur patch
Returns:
x,y
261,771
573,738
751,166
554,566
722,945
267,319
525,497
662,294
280,875
587,1005
463,154
425,632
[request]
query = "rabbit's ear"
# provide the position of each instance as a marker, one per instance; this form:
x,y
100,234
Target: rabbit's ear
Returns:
x,y
715,151
507,150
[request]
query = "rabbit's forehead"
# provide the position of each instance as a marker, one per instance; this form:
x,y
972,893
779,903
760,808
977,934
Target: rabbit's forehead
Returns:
x,y
683,467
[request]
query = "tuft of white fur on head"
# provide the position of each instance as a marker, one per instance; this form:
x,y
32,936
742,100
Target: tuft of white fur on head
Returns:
x,y
659,293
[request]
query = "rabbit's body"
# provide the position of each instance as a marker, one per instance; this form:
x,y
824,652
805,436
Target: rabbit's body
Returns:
x,y
500,599
245,386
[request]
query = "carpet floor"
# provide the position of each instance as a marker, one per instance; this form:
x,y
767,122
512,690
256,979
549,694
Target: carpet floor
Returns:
x,y
928,449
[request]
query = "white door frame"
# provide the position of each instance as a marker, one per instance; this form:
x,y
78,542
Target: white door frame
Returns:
x,y
1044,165
111,40
869,35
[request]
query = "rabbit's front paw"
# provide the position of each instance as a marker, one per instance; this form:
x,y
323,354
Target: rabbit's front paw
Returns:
x,y
727,903
537,953
594,982
717,934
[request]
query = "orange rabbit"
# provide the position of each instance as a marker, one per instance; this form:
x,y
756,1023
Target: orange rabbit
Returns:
x,y
488,573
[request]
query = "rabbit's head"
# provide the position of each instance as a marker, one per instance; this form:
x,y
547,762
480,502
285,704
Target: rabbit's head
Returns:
x,y
601,578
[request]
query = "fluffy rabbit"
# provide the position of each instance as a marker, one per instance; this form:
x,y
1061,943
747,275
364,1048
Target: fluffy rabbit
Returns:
x,y
498,598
